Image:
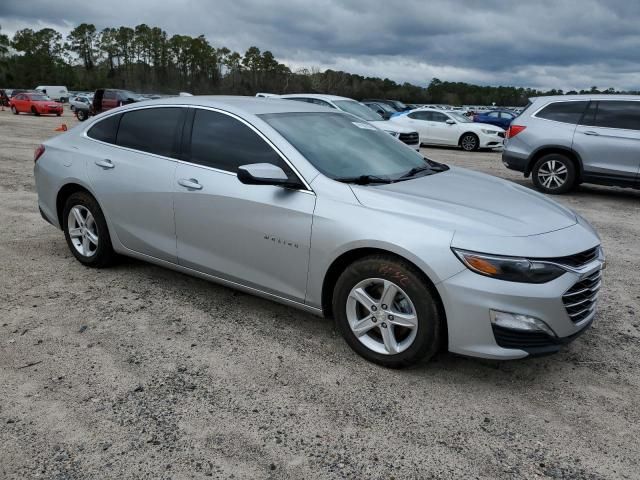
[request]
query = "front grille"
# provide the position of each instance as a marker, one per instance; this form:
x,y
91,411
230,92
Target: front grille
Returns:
x,y
580,300
577,260
409,138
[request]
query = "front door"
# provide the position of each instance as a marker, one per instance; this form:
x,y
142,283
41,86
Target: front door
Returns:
x,y
255,235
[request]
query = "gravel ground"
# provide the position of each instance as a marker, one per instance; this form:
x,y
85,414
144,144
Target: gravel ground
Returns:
x,y
141,372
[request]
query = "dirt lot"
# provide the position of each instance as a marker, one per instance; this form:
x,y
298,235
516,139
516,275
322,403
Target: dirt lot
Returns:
x,y
140,372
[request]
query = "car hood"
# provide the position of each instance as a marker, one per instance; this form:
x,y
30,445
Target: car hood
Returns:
x,y
391,126
465,201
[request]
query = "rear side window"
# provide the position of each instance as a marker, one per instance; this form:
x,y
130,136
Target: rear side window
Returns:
x,y
151,130
222,142
105,130
566,112
618,114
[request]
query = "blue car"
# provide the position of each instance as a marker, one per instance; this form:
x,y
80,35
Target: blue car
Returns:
x,y
499,118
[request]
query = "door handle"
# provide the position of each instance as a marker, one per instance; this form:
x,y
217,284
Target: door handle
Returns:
x,y
592,133
190,183
106,163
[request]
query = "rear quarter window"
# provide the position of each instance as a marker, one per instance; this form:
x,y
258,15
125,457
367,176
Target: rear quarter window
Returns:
x,y
565,112
105,130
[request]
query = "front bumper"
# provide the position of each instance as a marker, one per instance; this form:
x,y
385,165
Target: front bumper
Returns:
x,y
469,298
491,141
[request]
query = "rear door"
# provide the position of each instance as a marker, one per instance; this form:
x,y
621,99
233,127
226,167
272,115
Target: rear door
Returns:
x,y
255,235
608,141
131,168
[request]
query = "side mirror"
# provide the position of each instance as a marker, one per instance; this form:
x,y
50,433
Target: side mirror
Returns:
x,y
451,122
265,174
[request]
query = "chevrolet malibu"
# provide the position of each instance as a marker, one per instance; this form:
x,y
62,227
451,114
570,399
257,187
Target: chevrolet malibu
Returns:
x,y
318,210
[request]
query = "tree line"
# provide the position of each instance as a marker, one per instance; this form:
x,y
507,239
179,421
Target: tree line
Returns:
x,y
147,59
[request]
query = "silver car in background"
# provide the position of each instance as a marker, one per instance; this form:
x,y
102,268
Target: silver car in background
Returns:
x,y
321,211
566,140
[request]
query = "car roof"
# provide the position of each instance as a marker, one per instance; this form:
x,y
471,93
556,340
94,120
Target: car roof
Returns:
x,y
237,104
319,96
587,96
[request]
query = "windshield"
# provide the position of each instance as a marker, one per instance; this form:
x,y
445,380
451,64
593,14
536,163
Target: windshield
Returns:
x,y
342,147
385,107
357,109
39,97
399,105
458,117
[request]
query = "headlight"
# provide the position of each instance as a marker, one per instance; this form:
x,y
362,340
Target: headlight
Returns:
x,y
489,132
395,134
512,269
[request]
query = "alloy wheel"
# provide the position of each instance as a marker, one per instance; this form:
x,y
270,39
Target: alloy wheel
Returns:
x,y
469,143
553,174
83,230
382,316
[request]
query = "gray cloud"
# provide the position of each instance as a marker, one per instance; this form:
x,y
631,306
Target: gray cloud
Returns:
x,y
545,44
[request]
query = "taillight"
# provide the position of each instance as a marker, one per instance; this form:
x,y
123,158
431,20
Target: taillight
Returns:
x,y
513,130
38,153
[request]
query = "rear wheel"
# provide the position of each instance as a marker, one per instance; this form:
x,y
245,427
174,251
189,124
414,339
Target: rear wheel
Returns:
x,y
82,115
386,312
554,173
86,232
469,142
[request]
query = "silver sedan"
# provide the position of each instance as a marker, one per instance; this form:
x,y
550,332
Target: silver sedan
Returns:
x,y
321,211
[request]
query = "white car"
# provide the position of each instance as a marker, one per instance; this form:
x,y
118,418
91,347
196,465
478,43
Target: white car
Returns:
x,y
406,135
437,127
79,101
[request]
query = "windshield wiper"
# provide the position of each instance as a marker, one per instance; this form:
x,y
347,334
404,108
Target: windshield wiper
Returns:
x,y
415,171
364,180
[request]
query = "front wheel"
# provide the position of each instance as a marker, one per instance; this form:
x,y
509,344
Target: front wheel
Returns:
x,y
469,142
86,232
35,111
386,312
14,110
554,173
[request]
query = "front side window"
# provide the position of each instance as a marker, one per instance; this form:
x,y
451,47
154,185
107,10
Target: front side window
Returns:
x,y
342,147
151,130
222,142
438,117
109,94
105,130
565,112
493,114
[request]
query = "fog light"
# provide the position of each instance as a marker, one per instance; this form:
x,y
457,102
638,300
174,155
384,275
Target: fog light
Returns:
x,y
517,321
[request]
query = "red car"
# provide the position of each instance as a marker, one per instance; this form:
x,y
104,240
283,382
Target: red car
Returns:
x,y
35,103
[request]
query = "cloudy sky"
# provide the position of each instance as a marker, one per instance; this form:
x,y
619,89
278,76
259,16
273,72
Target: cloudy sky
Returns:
x,y
569,44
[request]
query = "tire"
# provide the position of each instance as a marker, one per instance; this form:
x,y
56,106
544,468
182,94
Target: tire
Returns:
x,y
14,110
469,142
91,250
554,173
35,112
82,115
413,298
